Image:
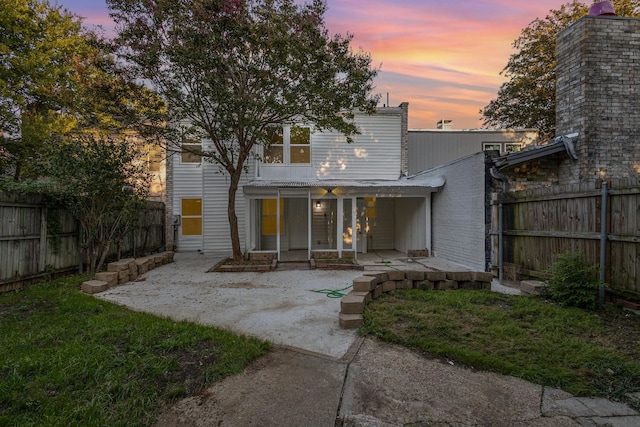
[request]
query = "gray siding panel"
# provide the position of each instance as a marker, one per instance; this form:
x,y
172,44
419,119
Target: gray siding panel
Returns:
x,y
431,148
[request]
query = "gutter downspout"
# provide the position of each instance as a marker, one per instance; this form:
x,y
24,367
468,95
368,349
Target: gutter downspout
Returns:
x,y
505,189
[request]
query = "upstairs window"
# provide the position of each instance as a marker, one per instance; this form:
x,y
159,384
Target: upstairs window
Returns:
x,y
273,149
299,145
191,148
288,144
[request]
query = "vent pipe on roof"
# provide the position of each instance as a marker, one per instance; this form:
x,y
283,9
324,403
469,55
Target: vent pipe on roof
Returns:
x,y
603,8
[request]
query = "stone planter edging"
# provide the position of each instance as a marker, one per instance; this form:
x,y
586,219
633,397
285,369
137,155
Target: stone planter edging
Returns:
x,y
125,270
372,285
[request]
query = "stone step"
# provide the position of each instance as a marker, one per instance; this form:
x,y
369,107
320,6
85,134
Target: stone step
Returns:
x,y
351,321
94,286
531,287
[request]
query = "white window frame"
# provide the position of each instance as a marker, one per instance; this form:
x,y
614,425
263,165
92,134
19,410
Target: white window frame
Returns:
x,y
193,143
503,146
513,144
286,145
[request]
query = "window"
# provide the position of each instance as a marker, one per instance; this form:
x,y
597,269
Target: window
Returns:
x,y
270,216
273,149
300,145
371,206
191,148
288,144
512,147
491,146
191,217
502,147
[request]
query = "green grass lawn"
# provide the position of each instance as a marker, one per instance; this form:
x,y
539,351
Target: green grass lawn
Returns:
x,y
583,352
67,358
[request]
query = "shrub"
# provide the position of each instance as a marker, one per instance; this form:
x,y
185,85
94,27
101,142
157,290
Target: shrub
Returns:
x,y
573,282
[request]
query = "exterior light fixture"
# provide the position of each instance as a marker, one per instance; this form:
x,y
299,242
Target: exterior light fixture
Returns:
x,y
318,205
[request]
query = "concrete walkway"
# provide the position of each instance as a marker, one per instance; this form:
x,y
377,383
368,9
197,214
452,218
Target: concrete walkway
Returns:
x,y
320,375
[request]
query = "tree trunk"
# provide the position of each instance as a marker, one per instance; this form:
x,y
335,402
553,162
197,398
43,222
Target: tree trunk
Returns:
x,y
93,259
233,218
103,255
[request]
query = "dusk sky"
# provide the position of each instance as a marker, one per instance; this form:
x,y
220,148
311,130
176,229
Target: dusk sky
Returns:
x,y
443,57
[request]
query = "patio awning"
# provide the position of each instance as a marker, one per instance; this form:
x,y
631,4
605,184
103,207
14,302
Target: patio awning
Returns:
x,y
403,187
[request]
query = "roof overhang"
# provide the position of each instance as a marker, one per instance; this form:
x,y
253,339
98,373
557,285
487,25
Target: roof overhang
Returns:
x,y
559,144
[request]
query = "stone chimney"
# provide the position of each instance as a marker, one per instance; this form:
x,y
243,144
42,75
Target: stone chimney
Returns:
x,y
598,95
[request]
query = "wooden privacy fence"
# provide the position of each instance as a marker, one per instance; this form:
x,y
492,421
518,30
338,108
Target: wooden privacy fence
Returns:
x,y
542,223
37,241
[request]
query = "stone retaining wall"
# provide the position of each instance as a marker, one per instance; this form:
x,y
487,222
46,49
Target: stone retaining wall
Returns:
x,y
373,284
125,270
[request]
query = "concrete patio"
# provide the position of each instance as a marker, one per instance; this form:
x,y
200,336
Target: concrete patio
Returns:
x,y
321,375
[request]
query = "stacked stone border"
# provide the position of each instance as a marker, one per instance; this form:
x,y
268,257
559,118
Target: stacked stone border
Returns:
x,y
372,285
263,261
125,270
329,259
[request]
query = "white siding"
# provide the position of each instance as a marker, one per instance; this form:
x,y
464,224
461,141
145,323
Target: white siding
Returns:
x,y
374,154
280,172
205,181
217,235
458,212
410,224
187,183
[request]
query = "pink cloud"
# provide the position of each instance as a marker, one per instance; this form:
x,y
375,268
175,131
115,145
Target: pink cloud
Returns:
x,y
449,54
443,57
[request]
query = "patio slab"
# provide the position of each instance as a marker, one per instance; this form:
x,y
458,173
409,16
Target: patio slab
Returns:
x,y
280,306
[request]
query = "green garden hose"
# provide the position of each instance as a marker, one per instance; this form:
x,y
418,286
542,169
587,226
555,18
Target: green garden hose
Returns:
x,y
334,293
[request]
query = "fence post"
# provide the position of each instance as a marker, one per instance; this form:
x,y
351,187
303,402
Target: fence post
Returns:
x,y
42,250
603,240
505,190
80,250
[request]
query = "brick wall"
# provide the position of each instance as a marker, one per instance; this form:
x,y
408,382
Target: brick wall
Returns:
x,y
540,173
598,95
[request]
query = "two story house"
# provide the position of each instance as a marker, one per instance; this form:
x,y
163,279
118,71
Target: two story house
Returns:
x,y
310,191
